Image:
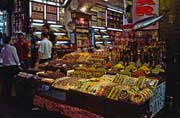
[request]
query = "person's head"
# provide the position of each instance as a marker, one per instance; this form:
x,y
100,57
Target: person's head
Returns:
x,y
21,37
45,28
7,40
44,35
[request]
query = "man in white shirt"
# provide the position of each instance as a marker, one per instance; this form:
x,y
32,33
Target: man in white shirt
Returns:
x,y
45,49
11,66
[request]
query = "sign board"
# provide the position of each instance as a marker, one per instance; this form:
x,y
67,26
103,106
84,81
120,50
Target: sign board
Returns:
x,y
144,9
157,101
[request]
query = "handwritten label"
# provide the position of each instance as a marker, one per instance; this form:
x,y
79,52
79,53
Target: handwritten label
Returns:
x,y
157,101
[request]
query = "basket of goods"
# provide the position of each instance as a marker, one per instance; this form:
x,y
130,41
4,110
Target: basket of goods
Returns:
x,y
157,70
131,68
51,74
145,69
141,96
138,73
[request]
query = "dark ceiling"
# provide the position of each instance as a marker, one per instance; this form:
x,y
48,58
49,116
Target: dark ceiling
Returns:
x,y
6,4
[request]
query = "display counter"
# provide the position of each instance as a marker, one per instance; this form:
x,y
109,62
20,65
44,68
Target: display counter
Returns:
x,y
76,104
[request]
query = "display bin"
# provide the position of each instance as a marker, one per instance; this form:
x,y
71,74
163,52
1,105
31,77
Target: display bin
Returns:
x,y
54,94
116,109
89,102
120,109
108,108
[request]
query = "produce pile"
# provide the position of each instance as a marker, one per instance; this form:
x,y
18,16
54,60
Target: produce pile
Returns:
x,y
66,83
51,74
87,72
119,87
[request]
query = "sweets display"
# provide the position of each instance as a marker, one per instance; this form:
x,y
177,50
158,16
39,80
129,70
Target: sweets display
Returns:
x,y
66,82
51,74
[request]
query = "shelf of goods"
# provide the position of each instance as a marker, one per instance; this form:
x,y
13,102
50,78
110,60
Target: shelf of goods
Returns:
x,y
18,17
81,21
114,19
99,16
100,37
49,11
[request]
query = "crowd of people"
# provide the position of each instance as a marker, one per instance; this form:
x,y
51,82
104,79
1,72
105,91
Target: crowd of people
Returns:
x,y
15,57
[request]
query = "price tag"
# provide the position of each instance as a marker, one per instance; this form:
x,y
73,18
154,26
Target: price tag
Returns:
x,y
157,101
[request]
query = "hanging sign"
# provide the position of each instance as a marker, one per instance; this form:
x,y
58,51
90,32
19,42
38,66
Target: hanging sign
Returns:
x,y
145,8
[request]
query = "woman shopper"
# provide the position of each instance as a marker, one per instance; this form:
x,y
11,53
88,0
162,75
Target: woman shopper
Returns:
x,y
11,66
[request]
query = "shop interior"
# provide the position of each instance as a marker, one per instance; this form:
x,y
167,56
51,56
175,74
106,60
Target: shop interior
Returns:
x,y
110,56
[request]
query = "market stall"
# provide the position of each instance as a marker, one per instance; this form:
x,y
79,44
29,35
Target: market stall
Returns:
x,y
122,76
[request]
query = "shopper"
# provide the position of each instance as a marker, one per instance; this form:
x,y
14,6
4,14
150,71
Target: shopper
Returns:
x,y
22,46
34,47
11,66
45,49
52,37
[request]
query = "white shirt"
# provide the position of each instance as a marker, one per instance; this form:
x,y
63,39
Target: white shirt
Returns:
x,y
45,48
9,56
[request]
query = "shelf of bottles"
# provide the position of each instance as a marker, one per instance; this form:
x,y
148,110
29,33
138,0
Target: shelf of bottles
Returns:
x,y
47,11
98,16
18,16
100,37
81,21
114,19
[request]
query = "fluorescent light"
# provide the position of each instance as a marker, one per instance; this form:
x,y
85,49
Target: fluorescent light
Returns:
x,y
98,35
106,18
52,22
38,33
99,42
60,34
65,2
35,20
106,36
51,3
44,11
98,27
37,24
30,9
58,14
37,1
103,30
61,42
58,4
115,10
114,29
56,26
